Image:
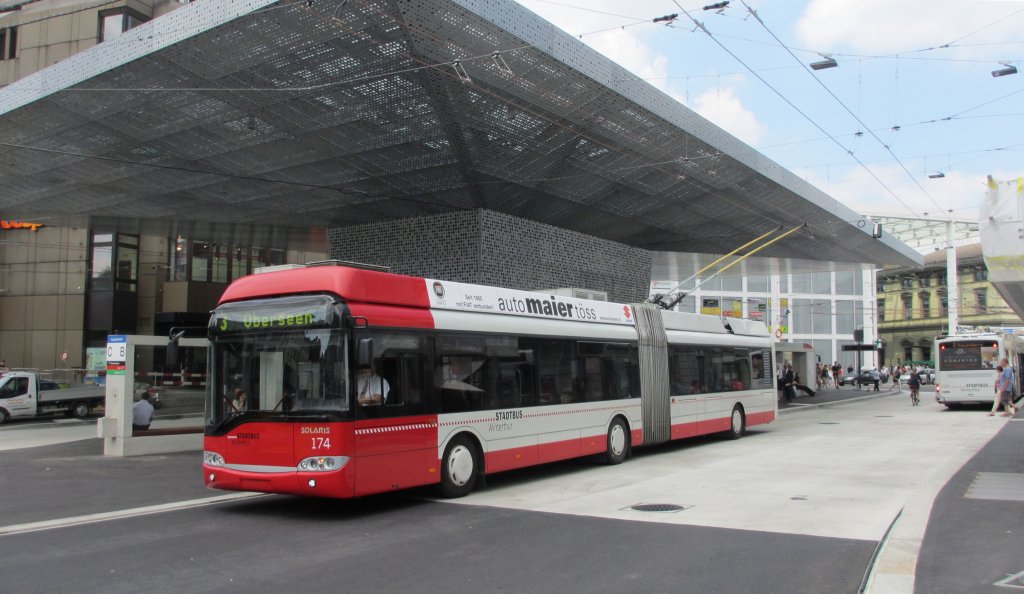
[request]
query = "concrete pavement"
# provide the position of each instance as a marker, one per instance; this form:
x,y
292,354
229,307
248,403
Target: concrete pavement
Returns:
x,y
952,535
960,530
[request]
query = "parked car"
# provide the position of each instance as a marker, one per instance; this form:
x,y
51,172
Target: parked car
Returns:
x,y
868,377
926,376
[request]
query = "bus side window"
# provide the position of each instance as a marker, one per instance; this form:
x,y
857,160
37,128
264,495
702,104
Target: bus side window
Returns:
x,y
525,373
459,379
403,371
400,360
556,371
390,368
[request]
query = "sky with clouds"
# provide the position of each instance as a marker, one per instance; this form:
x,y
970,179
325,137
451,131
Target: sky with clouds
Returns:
x,y
912,96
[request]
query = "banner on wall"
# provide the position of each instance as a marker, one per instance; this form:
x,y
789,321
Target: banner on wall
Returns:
x,y
710,306
732,308
757,309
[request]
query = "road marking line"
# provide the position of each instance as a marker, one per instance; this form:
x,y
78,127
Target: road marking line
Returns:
x,y
121,514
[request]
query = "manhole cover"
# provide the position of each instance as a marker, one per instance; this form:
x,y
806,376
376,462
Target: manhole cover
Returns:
x,y
883,416
828,423
657,507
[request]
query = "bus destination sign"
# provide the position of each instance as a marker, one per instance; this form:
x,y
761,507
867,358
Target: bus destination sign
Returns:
x,y
264,319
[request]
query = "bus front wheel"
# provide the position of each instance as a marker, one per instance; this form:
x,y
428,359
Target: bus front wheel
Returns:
x,y
460,468
618,442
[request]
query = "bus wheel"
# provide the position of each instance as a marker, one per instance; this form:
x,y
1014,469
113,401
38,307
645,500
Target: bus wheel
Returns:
x,y
618,442
737,423
80,410
460,468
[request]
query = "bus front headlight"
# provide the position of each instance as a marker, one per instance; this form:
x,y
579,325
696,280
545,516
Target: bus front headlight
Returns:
x,y
213,459
322,463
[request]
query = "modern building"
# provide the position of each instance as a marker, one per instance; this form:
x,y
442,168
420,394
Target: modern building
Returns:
x,y
819,309
64,289
162,143
913,304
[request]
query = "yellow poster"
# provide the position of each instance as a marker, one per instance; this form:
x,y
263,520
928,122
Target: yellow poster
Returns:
x,y
710,306
733,309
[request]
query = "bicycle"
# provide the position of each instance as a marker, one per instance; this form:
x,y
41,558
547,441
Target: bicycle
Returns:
x,y
914,399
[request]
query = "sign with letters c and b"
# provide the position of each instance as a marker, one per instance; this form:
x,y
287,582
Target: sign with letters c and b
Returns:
x,y
117,354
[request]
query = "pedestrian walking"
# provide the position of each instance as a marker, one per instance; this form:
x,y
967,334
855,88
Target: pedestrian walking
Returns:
x,y
789,382
1003,390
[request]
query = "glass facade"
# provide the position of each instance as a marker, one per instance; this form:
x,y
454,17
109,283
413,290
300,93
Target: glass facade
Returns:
x,y
821,309
200,260
115,21
68,288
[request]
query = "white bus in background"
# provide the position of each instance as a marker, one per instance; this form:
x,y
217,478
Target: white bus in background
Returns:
x,y
965,366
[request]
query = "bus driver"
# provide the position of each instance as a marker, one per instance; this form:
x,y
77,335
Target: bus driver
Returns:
x,y
372,389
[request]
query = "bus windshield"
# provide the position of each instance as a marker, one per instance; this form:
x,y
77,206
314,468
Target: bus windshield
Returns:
x,y
968,355
284,357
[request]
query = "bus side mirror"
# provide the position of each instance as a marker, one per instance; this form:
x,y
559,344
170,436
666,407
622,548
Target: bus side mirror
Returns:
x,y
364,353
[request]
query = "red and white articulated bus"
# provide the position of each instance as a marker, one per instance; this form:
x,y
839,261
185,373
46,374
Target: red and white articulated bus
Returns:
x,y
358,381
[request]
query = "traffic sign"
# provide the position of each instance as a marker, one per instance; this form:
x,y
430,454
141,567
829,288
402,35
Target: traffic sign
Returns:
x,y
117,348
858,347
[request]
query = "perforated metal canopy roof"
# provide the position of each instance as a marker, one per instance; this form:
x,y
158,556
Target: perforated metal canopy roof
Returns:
x,y
352,111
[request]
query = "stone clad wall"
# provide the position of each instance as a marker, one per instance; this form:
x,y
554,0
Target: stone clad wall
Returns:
x,y
491,248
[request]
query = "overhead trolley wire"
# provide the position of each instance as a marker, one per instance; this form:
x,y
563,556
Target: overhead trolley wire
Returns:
x,y
848,110
797,109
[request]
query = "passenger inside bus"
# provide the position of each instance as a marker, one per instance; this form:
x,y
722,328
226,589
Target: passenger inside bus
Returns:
x,y
240,403
676,386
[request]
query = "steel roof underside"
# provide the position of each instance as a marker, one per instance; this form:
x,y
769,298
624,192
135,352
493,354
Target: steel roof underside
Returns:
x,y
349,112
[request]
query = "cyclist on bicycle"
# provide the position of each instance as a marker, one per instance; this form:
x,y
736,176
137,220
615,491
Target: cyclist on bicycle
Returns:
x,y
914,383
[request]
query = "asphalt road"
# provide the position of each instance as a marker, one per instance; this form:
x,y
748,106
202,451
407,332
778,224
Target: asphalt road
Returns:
x,y
797,506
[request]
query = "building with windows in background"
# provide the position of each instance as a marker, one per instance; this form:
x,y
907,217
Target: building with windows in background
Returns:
x,y
913,304
169,147
820,309
64,288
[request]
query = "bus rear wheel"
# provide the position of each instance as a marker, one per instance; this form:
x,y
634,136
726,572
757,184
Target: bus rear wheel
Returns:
x,y
460,468
737,423
618,442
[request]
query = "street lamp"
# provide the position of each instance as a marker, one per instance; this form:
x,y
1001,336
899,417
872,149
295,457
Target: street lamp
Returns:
x,y
828,62
1009,69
